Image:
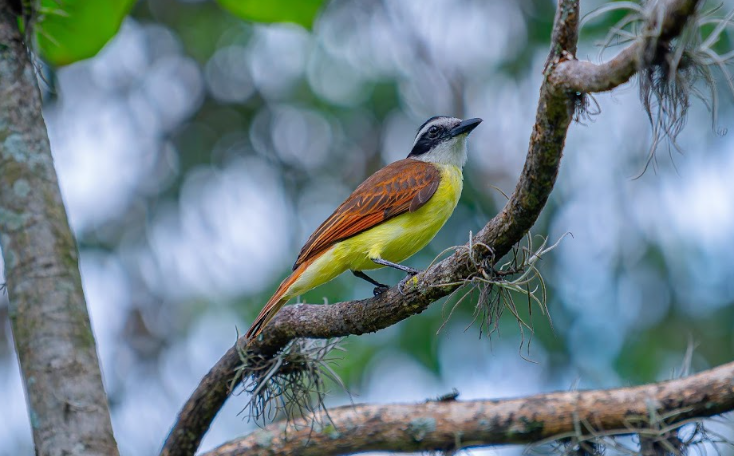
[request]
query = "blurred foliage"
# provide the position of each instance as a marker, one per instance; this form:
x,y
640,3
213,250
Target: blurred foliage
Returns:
x,y
71,30
300,12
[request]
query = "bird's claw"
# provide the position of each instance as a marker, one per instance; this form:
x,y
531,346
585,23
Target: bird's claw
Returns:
x,y
377,291
405,280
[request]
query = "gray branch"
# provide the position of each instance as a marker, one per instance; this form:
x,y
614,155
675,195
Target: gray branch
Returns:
x,y
554,114
53,337
651,409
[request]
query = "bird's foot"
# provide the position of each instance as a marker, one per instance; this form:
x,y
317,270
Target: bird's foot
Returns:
x,y
406,279
380,289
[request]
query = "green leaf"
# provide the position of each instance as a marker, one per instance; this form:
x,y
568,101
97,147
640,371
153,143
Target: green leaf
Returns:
x,y
300,12
72,30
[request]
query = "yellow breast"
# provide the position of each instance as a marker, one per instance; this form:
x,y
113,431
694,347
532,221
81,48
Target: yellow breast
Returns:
x,y
394,240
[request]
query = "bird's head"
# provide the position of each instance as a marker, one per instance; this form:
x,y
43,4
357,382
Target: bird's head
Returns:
x,y
442,139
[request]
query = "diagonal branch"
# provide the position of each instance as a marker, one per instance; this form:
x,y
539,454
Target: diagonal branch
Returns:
x,y
554,114
453,425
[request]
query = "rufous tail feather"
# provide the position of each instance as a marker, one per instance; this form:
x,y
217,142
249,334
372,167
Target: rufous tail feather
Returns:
x,y
275,303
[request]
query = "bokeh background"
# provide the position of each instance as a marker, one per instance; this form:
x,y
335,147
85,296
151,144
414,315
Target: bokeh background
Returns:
x,y
197,152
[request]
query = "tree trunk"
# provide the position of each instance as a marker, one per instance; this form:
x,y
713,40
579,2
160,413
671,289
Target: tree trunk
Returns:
x,y
53,336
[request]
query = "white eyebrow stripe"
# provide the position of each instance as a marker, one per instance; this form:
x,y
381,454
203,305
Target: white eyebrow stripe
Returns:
x,y
441,122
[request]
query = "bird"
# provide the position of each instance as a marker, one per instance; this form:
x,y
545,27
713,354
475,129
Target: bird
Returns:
x,y
391,216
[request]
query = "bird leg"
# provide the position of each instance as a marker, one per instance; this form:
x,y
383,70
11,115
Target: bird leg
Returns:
x,y
379,287
400,267
407,269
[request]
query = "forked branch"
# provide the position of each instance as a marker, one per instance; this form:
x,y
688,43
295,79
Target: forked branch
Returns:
x,y
666,21
555,112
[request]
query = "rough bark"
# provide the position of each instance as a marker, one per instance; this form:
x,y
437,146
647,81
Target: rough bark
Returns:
x,y
443,426
555,111
51,329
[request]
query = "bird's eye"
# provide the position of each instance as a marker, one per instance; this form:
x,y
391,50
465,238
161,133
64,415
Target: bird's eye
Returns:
x,y
433,131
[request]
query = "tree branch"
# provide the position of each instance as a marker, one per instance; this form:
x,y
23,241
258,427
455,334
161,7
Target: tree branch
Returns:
x,y
554,114
585,77
665,22
53,337
442,426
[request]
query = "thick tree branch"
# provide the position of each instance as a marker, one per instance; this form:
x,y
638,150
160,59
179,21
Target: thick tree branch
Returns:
x,y
53,337
554,114
441,426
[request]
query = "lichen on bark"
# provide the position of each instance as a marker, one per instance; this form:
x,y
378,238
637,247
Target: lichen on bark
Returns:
x,y
53,337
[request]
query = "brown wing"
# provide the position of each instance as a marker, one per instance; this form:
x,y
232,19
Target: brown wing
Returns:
x,y
402,186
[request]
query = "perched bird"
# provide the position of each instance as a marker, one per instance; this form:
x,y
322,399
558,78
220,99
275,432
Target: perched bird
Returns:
x,y
388,218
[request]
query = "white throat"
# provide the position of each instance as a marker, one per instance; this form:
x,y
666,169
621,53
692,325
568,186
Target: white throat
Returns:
x,y
450,152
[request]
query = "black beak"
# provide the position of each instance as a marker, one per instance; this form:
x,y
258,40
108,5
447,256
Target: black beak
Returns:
x,y
465,127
